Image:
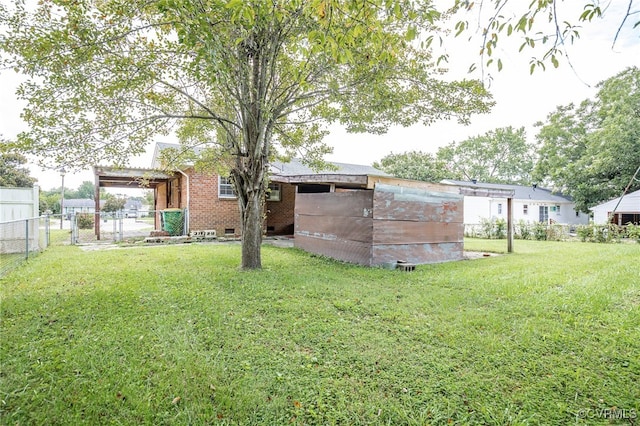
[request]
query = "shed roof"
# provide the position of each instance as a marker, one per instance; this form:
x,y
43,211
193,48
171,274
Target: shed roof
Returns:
x,y
520,192
629,203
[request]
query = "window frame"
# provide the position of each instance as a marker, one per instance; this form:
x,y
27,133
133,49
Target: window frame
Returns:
x,y
227,186
274,189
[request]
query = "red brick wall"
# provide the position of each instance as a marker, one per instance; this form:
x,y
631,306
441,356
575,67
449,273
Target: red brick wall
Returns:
x,y
280,214
207,211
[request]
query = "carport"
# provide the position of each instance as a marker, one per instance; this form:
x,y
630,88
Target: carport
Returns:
x,y
114,177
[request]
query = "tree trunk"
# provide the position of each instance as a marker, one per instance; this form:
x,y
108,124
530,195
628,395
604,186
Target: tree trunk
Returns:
x,y
251,215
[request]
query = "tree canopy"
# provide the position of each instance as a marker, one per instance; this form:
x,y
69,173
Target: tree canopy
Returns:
x,y
544,28
499,156
416,165
248,79
12,171
592,150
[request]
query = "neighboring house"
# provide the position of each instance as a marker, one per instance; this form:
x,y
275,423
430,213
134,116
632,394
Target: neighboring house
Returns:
x,y
627,210
79,205
132,208
530,204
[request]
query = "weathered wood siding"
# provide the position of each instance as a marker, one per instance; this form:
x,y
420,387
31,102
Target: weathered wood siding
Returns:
x,y
335,224
382,226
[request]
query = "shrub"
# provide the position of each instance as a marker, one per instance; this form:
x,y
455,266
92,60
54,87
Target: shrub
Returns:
x,y
633,232
486,228
539,231
85,220
599,233
523,230
500,229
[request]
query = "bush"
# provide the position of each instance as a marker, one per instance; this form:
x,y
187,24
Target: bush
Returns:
x,y
633,232
486,228
85,220
523,230
539,231
599,233
500,229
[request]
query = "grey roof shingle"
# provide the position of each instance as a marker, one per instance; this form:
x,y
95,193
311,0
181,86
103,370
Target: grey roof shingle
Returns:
x,y
295,167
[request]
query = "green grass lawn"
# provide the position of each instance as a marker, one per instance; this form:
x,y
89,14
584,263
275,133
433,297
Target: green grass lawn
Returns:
x,y
176,334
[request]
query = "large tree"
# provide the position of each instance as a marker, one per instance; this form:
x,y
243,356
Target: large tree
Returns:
x,y
245,78
12,171
415,165
591,151
499,156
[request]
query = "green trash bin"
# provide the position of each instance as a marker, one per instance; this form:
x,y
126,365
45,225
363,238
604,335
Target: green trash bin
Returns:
x,y
172,221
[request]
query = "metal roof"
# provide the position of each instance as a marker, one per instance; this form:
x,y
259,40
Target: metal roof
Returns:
x,y
295,167
629,203
520,192
129,177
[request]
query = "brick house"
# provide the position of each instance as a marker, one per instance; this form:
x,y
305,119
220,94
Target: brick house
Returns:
x,y
212,204
354,213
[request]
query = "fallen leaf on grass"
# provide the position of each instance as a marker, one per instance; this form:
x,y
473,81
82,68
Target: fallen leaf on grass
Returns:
x,y
176,400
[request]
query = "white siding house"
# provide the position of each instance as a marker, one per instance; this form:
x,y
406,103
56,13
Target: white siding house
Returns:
x,y
627,211
530,204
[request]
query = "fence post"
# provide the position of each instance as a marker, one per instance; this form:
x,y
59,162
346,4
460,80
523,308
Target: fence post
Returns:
x,y
47,231
115,227
120,225
26,241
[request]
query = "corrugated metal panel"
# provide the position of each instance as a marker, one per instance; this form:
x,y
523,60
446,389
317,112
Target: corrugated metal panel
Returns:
x,y
347,251
333,228
335,224
376,227
407,232
416,253
412,204
344,204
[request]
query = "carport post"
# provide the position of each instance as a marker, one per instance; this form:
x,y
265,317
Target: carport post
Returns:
x,y
510,225
96,215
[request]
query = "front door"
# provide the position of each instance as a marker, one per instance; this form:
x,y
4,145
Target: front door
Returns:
x,y
544,214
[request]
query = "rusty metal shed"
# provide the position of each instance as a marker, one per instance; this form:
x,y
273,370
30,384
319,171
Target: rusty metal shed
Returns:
x,y
382,225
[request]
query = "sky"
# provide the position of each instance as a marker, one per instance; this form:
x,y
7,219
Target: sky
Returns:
x,y
521,99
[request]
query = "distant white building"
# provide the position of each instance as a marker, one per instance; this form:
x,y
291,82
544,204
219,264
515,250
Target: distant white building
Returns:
x,y
627,210
530,204
79,205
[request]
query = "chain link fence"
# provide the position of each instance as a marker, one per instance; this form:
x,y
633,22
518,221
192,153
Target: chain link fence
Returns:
x,y
22,239
121,226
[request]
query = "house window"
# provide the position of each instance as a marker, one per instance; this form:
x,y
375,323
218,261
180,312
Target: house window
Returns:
x,y
525,209
499,208
558,209
275,192
225,188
